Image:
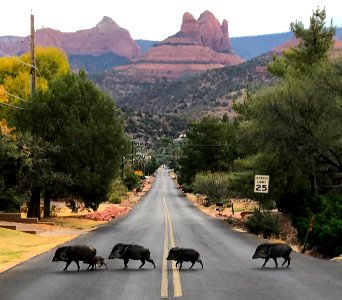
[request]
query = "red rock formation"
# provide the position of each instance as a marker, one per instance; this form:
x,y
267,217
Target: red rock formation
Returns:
x,y
206,31
107,36
212,34
199,46
174,61
190,29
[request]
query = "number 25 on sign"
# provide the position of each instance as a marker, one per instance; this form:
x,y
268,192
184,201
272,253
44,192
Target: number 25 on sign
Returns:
x,y
261,183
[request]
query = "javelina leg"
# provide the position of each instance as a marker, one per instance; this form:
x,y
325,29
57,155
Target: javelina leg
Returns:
x,y
288,261
142,262
180,264
67,265
78,265
152,262
266,260
200,261
126,262
285,260
193,262
275,260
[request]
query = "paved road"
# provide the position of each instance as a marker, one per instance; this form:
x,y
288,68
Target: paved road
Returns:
x,y
163,218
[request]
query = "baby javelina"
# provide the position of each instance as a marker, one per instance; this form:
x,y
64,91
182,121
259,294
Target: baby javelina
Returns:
x,y
184,254
273,251
95,262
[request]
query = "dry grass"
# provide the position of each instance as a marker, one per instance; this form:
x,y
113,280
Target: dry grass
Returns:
x,y
75,222
240,205
17,246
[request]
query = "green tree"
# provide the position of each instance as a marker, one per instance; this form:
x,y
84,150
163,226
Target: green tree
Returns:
x,y
74,115
209,147
314,45
294,128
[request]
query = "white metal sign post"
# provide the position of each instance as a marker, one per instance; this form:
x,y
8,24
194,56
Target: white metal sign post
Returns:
x,y
261,183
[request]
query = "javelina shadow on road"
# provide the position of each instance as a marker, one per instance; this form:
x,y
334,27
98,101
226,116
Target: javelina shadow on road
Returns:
x,y
125,270
189,270
270,269
80,272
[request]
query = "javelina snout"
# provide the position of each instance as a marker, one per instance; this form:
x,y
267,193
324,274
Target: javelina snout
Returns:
x,y
131,251
273,251
74,253
184,254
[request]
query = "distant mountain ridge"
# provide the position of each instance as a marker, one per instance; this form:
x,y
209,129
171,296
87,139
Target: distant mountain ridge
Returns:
x,y
106,36
107,45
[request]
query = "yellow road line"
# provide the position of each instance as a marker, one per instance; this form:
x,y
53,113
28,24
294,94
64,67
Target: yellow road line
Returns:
x,y
177,287
164,282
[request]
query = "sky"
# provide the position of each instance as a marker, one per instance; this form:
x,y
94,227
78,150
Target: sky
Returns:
x,y
157,19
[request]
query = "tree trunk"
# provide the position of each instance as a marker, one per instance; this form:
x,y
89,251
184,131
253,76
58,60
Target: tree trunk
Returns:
x,y
313,181
47,200
34,205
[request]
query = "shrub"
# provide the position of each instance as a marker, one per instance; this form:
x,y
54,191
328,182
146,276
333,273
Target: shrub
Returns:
x,y
214,185
327,228
8,202
116,191
263,223
230,220
131,181
54,210
74,204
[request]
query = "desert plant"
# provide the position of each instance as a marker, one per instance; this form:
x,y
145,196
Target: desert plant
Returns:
x,y
263,222
116,191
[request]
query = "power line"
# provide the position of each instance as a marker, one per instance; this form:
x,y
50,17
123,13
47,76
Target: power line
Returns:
x,y
14,96
18,60
12,106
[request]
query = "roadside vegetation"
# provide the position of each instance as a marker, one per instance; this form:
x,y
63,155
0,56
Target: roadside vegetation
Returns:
x,y
62,140
291,131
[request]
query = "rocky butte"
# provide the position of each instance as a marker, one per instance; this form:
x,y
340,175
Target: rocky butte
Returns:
x,y
200,45
106,36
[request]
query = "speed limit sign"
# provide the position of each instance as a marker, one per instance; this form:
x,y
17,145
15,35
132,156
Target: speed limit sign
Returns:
x,y
261,183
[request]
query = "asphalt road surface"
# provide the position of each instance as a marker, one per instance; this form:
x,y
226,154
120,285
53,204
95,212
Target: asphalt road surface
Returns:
x,y
163,219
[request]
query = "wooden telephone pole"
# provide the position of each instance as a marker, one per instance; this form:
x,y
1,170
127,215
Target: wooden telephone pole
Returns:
x,y
33,61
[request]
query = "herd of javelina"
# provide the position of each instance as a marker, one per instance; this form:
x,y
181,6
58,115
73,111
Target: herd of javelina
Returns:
x,y
87,254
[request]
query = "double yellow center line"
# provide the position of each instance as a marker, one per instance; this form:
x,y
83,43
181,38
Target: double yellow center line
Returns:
x,y
168,234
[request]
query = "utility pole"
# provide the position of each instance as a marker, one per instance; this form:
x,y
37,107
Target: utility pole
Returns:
x,y
33,61
132,155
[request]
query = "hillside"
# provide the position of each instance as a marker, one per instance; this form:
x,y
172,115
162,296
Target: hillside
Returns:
x,y
164,108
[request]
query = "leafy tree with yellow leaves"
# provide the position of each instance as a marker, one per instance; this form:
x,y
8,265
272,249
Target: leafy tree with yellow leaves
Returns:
x,y
51,63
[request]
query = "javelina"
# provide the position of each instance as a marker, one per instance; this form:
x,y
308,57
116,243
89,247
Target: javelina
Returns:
x,y
184,254
268,251
74,253
130,251
94,261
